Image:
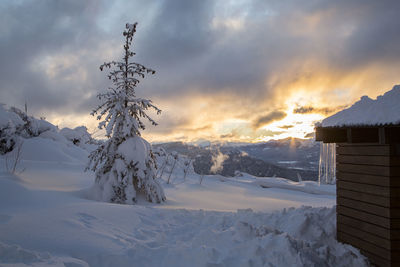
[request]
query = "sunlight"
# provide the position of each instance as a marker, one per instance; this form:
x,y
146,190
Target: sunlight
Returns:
x,y
294,125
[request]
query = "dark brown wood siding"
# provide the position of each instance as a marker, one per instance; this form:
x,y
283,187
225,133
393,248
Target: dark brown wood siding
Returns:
x,y
368,199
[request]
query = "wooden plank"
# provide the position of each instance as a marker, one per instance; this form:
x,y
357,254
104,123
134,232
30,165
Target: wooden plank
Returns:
x,y
395,245
363,245
365,226
372,199
361,145
362,206
369,169
390,223
392,135
363,178
363,169
376,259
369,160
364,135
366,236
331,135
394,201
364,160
384,191
366,217
395,148
364,188
368,179
395,234
394,161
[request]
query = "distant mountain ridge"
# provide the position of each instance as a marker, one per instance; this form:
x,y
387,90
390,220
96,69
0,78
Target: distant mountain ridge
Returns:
x,y
288,158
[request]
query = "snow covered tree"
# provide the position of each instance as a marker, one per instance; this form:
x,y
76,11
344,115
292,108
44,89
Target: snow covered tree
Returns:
x,y
124,165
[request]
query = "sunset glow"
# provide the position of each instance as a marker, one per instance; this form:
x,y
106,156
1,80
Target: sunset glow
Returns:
x,y
242,71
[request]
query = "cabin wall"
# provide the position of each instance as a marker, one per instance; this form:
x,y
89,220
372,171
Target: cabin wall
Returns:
x,y
368,200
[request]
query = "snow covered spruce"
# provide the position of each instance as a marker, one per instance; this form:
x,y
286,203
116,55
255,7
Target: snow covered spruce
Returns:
x,y
124,165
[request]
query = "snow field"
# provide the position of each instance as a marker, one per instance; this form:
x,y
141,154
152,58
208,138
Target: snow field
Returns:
x,y
48,219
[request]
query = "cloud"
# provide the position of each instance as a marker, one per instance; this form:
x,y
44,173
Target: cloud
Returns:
x,y
270,117
310,135
321,110
215,62
286,127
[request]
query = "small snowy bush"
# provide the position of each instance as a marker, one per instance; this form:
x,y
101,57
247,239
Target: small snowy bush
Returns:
x,y
10,125
32,127
124,165
14,123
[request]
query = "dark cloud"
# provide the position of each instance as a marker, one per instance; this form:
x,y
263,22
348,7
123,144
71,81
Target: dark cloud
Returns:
x,y
320,110
33,34
286,127
270,117
310,135
179,32
227,136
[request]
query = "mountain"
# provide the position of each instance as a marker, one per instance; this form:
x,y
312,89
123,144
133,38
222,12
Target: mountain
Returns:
x,y
287,158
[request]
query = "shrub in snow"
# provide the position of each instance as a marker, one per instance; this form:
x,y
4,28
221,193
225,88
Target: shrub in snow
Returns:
x,y
10,125
15,123
7,138
79,136
124,165
32,126
13,159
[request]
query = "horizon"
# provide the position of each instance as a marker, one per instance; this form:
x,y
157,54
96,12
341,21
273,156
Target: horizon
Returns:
x,y
242,71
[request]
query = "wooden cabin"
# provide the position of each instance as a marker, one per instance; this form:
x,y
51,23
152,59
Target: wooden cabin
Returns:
x,y
368,189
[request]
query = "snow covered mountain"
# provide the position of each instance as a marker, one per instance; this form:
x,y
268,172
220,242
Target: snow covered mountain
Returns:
x,y
287,158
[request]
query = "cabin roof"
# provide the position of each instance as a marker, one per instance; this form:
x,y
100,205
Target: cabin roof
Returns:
x,y
382,111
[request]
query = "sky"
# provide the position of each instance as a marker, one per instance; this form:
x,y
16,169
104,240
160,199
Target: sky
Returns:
x,y
232,70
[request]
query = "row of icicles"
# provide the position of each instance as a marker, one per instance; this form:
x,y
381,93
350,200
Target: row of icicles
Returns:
x,y
327,163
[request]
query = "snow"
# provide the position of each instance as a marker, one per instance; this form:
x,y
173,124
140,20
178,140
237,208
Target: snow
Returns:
x,y
41,149
140,146
47,218
7,117
385,109
79,136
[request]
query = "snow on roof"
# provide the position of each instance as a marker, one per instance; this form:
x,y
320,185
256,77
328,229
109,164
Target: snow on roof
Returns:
x,y
384,110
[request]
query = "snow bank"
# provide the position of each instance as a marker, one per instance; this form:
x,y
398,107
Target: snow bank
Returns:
x,y
41,149
384,110
86,233
310,187
13,255
43,227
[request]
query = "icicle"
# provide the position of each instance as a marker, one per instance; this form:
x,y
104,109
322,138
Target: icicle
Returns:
x,y
327,164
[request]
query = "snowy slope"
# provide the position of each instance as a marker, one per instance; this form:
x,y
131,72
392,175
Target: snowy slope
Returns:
x,y
385,109
48,219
